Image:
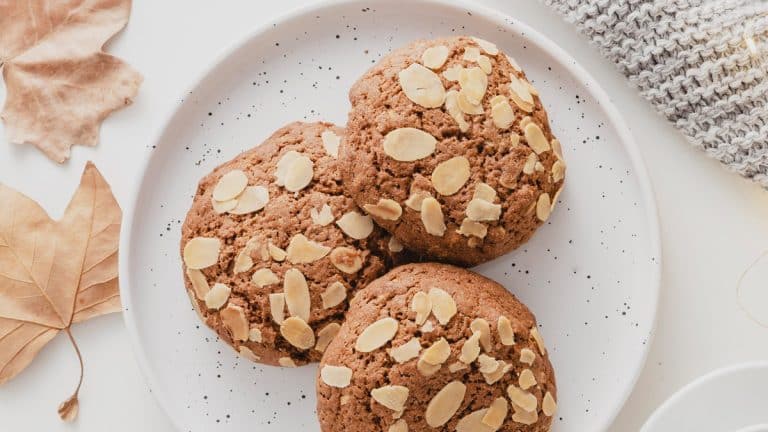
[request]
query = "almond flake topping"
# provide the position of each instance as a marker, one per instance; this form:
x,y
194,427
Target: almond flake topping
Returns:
x,y
391,396
301,250
485,64
253,198
506,332
322,217
502,115
408,144
422,86
487,364
263,277
427,369
543,207
296,293
471,53
276,253
488,47
277,307
336,376
286,362
331,142
356,225
421,304
432,217
522,398
443,305
346,259
480,325
201,252
254,334
445,404
471,349
334,295
386,209
376,335
416,199
234,319
539,341
298,333
454,110
326,335
471,228
294,171
535,138
230,185
199,283
217,296
480,210
449,176
558,171
520,94
406,351
437,353
474,83
526,380
484,192
453,72
435,57
473,422
548,405
246,352
495,376
467,106
398,426
221,207
527,356
496,414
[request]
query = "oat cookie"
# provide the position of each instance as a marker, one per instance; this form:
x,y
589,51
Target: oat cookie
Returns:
x,y
420,351
272,249
449,148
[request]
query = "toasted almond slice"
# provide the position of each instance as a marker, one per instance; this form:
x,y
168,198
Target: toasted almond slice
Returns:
x,y
428,327
356,225
456,366
277,307
445,404
531,89
520,94
263,277
473,422
376,335
453,72
443,305
506,332
246,352
522,398
548,404
488,47
421,304
331,142
406,351
557,148
346,259
201,252
286,362
386,209
298,333
538,167
535,138
526,379
263,251
527,356
435,57
449,176
487,364
422,86
253,199
284,165
482,326
416,199
254,334
474,83
299,174
543,207
530,163
408,144
394,245
525,121
480,210
336,376
398,426
243,260
391,396
502,114
471,349
221,207
296,293
276,253
199,283
322,217
514,139
234,319
558,171
217,296
471,228
427,369
496,414
495,376
524,417
467,106
497,100
471,53
301,250
485,64
334,295
325,335
484,192
230,185
454,110
538,339
437,353
432,217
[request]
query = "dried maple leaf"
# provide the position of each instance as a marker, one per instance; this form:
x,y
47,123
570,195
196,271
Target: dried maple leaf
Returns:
x,y
53,274
60,84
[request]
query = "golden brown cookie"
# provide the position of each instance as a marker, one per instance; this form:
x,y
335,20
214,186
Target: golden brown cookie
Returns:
x,y
449,148
432,347
273,250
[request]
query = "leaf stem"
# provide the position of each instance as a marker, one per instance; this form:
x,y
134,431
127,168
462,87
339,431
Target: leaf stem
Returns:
x,y
79,357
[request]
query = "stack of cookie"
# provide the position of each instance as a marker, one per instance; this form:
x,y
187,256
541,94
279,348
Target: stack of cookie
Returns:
x,y
315,246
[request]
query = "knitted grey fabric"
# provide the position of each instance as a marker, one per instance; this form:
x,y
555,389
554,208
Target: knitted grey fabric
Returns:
x,y
692,60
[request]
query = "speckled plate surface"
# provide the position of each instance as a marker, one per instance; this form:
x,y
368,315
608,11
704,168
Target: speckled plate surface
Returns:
x,y
591,274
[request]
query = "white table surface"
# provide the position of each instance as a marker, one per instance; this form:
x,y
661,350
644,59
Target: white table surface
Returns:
x,y
713,223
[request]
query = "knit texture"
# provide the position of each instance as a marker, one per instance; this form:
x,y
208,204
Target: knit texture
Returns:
x,y
694,61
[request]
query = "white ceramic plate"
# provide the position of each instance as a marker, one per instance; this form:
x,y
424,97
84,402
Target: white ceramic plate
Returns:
x,y
725,400
591,274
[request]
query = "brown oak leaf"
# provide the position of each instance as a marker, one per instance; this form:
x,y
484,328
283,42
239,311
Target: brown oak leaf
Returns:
x,y
60,84
55,273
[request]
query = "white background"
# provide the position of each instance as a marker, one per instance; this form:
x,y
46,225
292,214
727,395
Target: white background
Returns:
x,y
713,223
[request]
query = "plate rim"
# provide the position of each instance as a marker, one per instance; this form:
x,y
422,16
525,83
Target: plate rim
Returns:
x,y
502,18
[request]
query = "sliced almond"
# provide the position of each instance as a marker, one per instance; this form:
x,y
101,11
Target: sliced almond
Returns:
x,y
286,362
246,352
376,335
527,356
298,333
334,295
356,225
428,327
484,192
199,282
331,142
325,335
524,417
522,398
480,210
201,252
230,185
514,139
530,163
466,105
473,422
299,174
487,364
474,83
471,349
221,207
539,341
486,46
497,100
296,293
422,305
422,86
445,404
454,110
531,89
386,209
406,351
276,253
437,353
496,414
301,250
482,326
539,167
336,376
254,334
453,72
408,144
416,199
217,296
253,198
243,261
471,228
233,317
520,94
471,53
398,426
535,138
485,64
456,366
263,277
391,396
506,332
394,245
525,121
346,259
526,379
558,171
443,305
543,207
548,405
432,217
284,165
449,176
322,217
435,57
493,377
502,114
557,148
427,369
277,307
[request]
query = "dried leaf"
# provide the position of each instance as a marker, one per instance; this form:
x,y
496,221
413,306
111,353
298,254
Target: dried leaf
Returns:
x,y
60,84
53,274
69,408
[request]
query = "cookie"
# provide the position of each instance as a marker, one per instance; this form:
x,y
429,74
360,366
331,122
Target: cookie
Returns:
x,y
449,148
272,249
432,347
